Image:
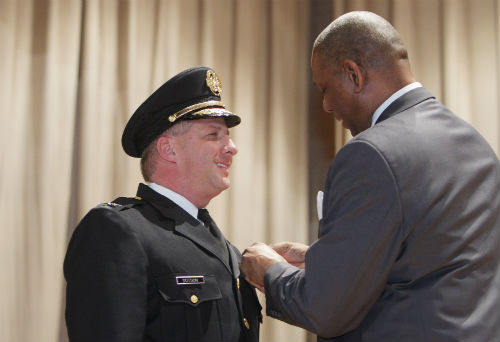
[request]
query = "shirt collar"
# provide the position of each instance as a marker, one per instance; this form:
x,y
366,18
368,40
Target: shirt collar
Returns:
x,y
393,98
180,200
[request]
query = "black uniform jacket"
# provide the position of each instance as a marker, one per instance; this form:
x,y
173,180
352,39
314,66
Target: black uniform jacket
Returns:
x,y
144,269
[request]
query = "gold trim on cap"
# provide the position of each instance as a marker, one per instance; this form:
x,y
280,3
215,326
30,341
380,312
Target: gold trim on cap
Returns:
x,y
208,111
194,107
214,83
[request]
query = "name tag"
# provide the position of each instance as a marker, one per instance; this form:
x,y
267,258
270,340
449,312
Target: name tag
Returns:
x,y
190,280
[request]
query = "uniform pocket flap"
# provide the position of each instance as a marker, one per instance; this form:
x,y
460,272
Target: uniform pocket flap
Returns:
x,y
188,289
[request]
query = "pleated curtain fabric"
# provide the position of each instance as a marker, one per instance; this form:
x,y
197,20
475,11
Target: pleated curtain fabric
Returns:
x,y
74,71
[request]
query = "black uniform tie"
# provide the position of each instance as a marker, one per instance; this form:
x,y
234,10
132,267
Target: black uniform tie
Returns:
x,y
205,217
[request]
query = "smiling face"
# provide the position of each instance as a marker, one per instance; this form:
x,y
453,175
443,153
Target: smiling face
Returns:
x,y
204,155
339,95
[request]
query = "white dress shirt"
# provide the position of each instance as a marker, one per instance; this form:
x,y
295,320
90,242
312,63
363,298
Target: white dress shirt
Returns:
x,y
180,200
393,98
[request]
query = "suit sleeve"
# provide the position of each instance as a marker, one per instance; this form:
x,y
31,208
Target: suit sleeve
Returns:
x,y
106,274
359,238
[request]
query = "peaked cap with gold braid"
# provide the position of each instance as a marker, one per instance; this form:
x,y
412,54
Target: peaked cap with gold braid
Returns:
x,y
192,94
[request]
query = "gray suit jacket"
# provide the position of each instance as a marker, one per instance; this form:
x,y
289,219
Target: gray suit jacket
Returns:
x,y
409,243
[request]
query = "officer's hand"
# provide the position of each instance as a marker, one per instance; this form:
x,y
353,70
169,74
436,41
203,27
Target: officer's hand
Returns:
x,y
293,252
256,260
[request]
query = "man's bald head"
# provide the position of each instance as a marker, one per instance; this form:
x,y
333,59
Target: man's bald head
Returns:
x,y
364,37
358,62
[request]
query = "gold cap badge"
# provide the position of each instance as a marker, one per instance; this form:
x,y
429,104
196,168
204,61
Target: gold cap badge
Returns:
x,y
214,83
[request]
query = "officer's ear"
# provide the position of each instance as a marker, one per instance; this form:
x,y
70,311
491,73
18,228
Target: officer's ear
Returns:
x,y
355,73
165,149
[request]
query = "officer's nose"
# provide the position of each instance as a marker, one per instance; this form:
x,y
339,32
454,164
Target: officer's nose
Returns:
x,y
230,147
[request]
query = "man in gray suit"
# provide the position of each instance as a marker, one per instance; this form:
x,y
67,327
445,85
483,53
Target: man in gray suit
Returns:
x,y
409,241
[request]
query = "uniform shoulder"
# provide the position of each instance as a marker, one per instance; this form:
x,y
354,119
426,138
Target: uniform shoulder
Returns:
x,y
110,217
121,203
115,211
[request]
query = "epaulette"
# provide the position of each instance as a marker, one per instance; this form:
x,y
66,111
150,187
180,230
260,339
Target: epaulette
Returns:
x,y
122,203
112,204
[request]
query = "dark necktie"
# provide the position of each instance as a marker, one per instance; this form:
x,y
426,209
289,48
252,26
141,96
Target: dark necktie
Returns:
x,y
205,217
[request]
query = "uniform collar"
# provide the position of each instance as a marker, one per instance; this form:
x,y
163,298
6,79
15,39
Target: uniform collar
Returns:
x,y
186,224
178,199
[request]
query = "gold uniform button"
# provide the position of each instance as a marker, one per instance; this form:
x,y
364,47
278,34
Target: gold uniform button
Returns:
x,y
247,325
194,299
238,283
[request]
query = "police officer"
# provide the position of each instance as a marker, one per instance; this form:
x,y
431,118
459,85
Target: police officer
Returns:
x,y
156,266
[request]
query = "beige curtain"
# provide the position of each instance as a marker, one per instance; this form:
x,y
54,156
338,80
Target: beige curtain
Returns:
x,y
39,76
74,71
130,48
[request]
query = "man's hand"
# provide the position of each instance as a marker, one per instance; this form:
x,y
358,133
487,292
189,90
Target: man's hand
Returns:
x,y
293,252
256,260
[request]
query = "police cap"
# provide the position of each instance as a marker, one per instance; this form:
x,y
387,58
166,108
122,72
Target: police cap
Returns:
x,y
192,94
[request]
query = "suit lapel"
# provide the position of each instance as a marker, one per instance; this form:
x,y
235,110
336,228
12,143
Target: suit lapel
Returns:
x,y
235,259
202,237
410,99
185,224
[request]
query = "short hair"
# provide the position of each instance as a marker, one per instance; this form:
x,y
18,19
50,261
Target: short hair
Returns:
x,y
364,37
148,157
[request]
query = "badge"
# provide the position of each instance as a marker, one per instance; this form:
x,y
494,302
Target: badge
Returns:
x,y
190,280
214,83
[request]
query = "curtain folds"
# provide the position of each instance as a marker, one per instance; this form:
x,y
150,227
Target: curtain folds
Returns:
x,y
74,71
39,67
